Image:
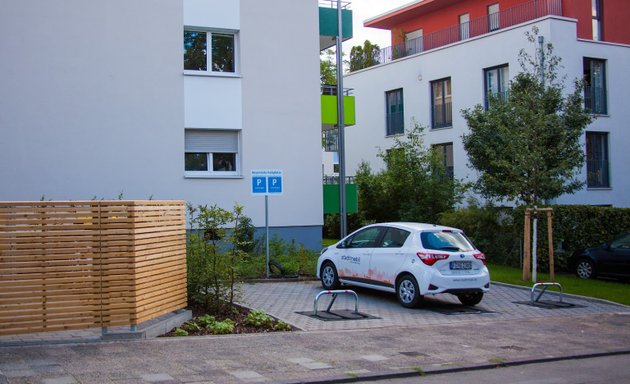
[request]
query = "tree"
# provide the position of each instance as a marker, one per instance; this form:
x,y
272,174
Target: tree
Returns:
x,y
327,68
364,56
526,147
414,186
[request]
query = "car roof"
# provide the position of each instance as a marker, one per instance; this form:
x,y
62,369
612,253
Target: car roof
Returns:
x,y
417,226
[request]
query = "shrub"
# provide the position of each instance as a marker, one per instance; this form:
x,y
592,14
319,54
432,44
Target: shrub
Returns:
x,y
221,327
259,319
215,255
180,332
282,326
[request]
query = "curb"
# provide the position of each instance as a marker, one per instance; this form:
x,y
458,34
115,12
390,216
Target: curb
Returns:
x,y
587,298
441,371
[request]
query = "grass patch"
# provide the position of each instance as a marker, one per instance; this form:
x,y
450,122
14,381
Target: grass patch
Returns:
x,y
618,292
328,242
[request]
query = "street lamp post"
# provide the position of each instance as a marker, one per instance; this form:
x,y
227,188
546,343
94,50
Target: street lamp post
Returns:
x,y
340,124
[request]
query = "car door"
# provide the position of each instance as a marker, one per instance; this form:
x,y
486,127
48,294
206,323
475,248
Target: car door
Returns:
x,y
354,261
617,261
388,256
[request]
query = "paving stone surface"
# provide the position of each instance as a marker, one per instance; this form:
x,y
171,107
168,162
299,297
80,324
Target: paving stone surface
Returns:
x,y
433,338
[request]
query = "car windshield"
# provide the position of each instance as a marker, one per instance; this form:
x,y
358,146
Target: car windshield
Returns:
x,y
446,240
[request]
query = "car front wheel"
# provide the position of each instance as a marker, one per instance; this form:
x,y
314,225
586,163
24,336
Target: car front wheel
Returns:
x,y
329,277
408,292
470,298
585,269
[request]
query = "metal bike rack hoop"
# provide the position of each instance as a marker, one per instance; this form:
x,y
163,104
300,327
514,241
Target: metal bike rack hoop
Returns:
x,y
543,290
334,294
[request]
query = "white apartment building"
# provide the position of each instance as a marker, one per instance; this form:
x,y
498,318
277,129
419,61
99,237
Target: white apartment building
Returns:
x,y
432,85
164,99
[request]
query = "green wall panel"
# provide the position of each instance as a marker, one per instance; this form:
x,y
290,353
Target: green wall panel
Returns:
x,y
329,110
331,198
328,22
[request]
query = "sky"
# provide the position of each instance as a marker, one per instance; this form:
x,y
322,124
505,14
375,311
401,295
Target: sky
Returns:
x,y
366,9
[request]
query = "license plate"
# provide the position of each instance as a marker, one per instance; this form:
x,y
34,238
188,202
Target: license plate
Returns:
x,y
460,265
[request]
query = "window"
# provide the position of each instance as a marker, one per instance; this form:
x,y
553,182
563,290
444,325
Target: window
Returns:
x,y
464,26
496,83
441,103
596,9
445,151
364,239
413,42
493,17
595,86
221,46
394,238
211,153
597,175
395,112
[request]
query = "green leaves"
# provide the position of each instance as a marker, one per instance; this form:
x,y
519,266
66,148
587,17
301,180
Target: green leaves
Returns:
x,y
414,186
527,147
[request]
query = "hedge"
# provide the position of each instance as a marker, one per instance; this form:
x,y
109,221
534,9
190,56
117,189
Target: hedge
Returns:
x,y
498,232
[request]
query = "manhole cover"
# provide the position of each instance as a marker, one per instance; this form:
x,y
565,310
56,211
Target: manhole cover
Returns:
x,y
340,315
547,304
457,310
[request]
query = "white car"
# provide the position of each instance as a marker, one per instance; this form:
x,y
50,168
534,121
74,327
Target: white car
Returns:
x,y
409,259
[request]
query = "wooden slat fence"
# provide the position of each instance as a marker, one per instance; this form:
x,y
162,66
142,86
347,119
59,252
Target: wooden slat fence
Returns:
x,y
86,264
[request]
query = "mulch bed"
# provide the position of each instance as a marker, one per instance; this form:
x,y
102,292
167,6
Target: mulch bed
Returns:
x,y
238,314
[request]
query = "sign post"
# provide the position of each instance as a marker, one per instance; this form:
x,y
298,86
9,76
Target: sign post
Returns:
x,y
267,182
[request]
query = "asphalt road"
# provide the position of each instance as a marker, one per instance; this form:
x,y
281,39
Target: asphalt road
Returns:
x,y
600,370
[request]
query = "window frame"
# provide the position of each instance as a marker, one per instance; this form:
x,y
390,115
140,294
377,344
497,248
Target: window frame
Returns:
x,y
209,55
588,87
603,159
441,149
210,157
500,92
494,17
395,124
447,113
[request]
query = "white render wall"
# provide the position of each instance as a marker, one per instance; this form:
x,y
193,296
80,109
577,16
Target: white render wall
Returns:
x,y
464,63
94,102
91,99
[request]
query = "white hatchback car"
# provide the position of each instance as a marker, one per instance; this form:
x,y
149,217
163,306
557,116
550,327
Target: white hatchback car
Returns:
x,y
409,259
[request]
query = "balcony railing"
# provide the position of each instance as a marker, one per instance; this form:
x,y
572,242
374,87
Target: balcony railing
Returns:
x,y
595,100
395,123
476,27
597,173
331,90
442,115
335,180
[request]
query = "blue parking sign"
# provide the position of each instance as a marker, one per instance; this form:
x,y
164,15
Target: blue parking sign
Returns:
x,y
274,184
259,184
267,182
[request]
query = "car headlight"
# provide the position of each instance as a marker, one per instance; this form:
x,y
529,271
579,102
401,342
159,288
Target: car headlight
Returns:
x,y
323,250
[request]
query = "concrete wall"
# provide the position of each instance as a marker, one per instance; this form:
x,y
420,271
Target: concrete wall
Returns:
x,y
464,64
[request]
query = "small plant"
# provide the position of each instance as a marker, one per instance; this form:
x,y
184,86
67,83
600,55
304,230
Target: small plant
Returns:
x,y
205,320
282,326
259,319
191,326
180,332
221,327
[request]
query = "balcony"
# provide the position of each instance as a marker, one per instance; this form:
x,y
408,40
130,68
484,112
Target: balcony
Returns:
x,y
329,107
328,22
476,27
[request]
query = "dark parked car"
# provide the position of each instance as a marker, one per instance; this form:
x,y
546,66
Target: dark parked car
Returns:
x,y
609,259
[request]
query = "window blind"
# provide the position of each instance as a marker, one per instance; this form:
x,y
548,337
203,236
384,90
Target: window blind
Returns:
x,y
211,141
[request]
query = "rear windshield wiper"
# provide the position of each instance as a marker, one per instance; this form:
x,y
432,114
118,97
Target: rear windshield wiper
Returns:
x,y
449,248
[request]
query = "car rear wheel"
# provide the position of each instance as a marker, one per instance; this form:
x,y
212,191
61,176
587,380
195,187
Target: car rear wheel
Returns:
x,y
329,276
408,292
470,298
585,269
